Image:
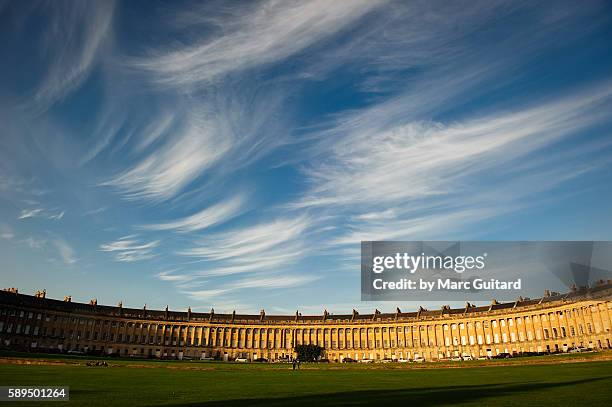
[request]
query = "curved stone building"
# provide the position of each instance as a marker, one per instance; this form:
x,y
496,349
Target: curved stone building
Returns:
x,y
554,322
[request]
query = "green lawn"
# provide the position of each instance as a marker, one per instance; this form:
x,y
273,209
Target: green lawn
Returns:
x,y
190,384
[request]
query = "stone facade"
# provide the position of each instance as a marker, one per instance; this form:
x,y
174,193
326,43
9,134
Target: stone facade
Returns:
x,y
555,322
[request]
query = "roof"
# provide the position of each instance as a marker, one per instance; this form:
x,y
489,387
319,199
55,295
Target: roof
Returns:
x,y
23,300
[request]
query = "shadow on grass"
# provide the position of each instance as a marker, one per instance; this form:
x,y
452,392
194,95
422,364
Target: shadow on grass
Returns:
x,y
430,396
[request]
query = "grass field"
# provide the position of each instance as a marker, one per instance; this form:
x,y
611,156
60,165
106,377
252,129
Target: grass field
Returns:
x,y
128,382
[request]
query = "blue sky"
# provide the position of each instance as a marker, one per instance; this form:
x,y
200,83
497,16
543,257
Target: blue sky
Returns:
x,y
234,154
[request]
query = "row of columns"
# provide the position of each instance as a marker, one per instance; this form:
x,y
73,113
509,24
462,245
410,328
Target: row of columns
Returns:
x,y
544,324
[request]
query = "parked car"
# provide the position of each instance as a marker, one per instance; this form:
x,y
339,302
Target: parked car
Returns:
x,y
260,360
532,354
387,360
467,357
503,355
419,360
366,361
402,360
241,360
482,358
456,359
348,360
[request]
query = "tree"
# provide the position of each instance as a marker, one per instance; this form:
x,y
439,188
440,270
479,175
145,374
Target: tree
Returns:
x,y
309,353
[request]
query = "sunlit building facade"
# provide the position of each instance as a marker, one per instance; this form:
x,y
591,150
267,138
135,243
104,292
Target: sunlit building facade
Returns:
x,y
555,322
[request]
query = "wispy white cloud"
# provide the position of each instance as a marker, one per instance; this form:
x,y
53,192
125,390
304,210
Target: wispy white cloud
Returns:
x,y
41,213
259,256
57,216
210,216
203,295
73,39
130,248
383,215
155,130
108,125
96,211
29,213
274,281
242,245
169,169
261,281
278,259
270,32
170,275
228,128
65,251
445,175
